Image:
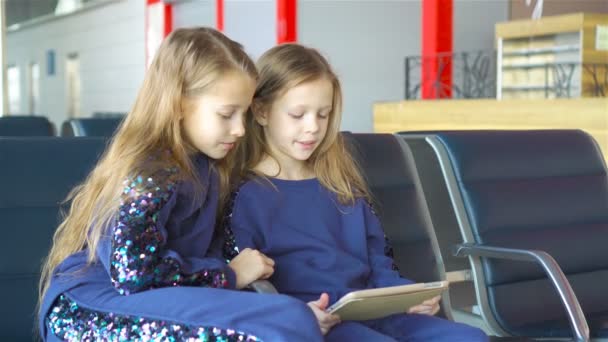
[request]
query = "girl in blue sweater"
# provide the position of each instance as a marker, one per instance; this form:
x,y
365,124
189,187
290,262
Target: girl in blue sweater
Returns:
x,y
304,203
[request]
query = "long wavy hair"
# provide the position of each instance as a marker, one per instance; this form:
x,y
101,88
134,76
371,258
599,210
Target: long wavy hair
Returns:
x,y
187,63
280,69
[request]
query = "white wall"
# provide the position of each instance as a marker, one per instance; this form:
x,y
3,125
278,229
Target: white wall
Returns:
x,y
110,43
251,23
474,22
367,41
194,13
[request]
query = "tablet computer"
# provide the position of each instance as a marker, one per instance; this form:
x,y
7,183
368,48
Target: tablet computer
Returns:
x,y
377,303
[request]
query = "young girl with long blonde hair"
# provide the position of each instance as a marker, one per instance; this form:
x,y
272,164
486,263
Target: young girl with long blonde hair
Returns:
x,y
315,220
136,258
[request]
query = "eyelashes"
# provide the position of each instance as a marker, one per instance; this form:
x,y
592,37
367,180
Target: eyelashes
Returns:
x,y
322,115
296,115
226,116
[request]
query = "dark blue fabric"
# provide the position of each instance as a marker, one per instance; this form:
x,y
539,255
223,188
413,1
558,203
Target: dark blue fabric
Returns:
x,y
318,244
187,225
269,317
410,328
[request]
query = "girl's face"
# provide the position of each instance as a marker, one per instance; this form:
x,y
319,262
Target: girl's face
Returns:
x,y
296,122
215,122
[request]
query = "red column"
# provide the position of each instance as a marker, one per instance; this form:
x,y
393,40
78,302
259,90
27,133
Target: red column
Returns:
x,y
287,21
437,35
219,15
159,23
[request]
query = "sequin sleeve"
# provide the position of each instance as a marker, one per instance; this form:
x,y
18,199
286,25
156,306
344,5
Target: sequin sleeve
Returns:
x,y
384,272
139,259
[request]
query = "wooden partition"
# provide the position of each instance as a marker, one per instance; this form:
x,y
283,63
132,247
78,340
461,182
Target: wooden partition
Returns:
x,y
589,114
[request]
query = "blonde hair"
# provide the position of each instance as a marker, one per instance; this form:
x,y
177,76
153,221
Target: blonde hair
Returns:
x,y
187,63
280,69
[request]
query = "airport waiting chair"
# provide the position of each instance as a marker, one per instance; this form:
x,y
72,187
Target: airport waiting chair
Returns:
x,y
104,115
445,224
438,200
90,127
388,167
532,207
35,177
26,126
390,170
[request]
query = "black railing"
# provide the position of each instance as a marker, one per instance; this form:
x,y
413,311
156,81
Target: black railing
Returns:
x,y
599,75
473,76
565,80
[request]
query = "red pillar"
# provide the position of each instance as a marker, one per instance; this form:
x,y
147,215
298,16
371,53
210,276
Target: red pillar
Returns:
x,y
219,15
287,21
437,35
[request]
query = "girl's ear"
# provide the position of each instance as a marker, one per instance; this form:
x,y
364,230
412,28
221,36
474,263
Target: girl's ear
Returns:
x,y
260,114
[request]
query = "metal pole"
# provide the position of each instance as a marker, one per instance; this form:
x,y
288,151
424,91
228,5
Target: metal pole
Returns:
x,y
407,78
546,80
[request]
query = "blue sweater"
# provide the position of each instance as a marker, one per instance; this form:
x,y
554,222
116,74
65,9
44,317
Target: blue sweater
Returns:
x,y
318,244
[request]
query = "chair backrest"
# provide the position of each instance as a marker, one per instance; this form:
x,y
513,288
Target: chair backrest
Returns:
x,y
445,223
90,127
437,197
109,114
389,169
536,190
35,177
26,126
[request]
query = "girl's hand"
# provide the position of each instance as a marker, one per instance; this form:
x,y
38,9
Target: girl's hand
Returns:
x,y
428,307
325,319
250,265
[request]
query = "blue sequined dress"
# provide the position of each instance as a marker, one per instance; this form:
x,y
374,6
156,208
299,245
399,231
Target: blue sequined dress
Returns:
x,y
160,275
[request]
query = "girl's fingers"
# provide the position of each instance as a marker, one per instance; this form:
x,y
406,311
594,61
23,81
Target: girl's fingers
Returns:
x,y
330,319
432,301
421,308
267,271
268,261
435,311
425,309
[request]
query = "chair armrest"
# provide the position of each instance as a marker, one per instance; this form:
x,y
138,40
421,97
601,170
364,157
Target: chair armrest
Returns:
x,y
263,286
576,317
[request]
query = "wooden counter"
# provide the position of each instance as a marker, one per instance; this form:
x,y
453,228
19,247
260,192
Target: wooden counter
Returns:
x,y
589,114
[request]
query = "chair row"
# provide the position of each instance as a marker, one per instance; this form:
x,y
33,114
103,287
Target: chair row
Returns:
x,y
538,197
24,126
528,208
36,174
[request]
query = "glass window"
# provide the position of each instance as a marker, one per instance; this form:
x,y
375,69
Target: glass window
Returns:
x,y
14,90
34,88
